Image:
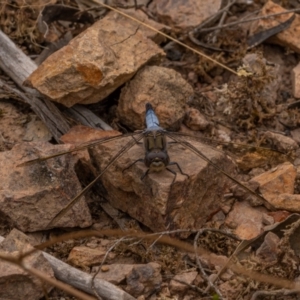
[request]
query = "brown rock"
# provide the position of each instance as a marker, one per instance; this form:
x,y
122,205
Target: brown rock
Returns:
x,y
94,63
277,181
246,220
82,256
115,273
296,132
15,283
195,120
184,14
269,248
32,195
287,202
152,201
289,37
177,283
281,142
37,131
164,88
279,216
144,280
296,81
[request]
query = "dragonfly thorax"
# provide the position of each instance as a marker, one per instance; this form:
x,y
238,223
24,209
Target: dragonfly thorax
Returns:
x,y
156,156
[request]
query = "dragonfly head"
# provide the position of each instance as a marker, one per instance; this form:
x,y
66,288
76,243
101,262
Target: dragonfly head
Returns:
x,y
156,160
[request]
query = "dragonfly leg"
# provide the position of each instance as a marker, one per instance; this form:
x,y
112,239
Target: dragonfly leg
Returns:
x,y
175,174
142,160
175,163
145,174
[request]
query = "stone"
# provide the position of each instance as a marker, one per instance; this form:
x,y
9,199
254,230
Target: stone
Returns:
x,y
37,131
281,142
246,220
268,250
153,201
267,220
115,273
184,15
164,88
277,181
289,37
95,63
15,282
177,283
296,81
296,132
144,280
279,215
82,256
287,202
30,196
195,120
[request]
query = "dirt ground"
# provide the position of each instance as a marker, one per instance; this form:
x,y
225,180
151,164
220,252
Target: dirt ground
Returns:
x,y
214,88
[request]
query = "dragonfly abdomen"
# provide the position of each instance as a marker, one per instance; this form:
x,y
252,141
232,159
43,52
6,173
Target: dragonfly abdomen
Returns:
x,y
151,118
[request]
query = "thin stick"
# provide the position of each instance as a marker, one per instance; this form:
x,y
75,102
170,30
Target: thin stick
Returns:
x,y
249,20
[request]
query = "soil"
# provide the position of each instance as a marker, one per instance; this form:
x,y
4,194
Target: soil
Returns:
x,y
16,121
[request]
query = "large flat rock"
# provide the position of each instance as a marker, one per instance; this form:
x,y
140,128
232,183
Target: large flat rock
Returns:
x,y
153,202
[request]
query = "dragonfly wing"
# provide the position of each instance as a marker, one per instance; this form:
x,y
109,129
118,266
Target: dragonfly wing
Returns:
x,y
216,166
83,146
153,201
75,200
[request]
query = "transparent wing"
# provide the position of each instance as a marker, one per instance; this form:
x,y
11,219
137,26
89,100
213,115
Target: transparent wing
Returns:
x,y
179,138
270,155
123,150
81,147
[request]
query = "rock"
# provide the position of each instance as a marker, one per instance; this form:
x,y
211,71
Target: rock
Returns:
x,y
267,220
296,81
277,181
16,283
94,63
164,88
287,202
279,216
268,250
144,280
195,120
296,133
246,221
36,131
152,201
115,273
178,286
183,15
281,142
289,37
82,256
32,195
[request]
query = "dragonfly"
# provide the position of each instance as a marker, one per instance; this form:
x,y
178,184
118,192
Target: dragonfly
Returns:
x,y
157,143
